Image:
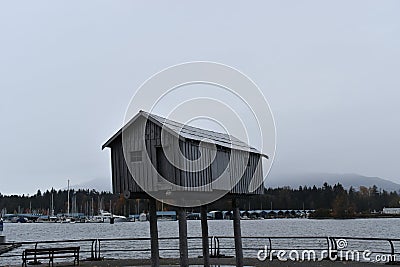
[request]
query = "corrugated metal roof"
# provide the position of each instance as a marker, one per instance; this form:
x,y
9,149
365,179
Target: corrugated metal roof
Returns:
x,y
193,133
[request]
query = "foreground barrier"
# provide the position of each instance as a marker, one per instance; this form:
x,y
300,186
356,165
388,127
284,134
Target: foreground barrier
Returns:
x,y
221,246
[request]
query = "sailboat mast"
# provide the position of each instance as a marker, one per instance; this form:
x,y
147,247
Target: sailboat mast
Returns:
x,y
99,204
52,204
68,200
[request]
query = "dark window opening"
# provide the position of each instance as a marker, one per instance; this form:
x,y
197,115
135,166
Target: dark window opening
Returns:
x,y
136,156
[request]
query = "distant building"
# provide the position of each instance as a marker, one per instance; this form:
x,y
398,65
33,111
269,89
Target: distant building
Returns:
x,y
392,211
167,215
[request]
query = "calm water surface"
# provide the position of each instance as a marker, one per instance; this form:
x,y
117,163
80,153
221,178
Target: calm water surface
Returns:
x,y
275,227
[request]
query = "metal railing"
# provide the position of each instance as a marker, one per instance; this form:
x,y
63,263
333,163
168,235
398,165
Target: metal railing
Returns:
x,y
220,246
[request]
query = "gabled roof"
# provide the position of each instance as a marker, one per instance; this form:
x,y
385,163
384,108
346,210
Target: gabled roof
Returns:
x,y
190,132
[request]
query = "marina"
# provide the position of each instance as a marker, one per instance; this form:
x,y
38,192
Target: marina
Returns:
x,y
104,216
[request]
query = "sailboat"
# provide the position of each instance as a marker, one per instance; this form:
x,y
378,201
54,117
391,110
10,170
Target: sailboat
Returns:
x,y
51,218
66,219
106,216
142,217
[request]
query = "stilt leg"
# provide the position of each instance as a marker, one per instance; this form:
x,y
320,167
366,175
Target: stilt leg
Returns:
x,y
237,233
204,234
155,257
183,243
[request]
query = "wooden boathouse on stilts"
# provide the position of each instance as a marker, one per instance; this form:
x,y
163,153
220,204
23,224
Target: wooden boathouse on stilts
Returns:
x,y
159,159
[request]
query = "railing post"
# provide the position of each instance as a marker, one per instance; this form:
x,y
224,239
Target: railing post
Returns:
x,y
333,253
92,250
95,250
270,247
217,246
35,259
204,235
392,255
212,246
329,244
99,256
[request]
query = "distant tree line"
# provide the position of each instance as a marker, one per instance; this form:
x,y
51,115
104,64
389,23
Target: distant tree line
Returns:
x,y
327,201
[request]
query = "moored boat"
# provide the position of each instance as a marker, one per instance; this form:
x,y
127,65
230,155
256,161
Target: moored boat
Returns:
x,y
105,217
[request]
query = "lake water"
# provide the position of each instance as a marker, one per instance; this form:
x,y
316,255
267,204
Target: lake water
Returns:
x,y
276,227
380,228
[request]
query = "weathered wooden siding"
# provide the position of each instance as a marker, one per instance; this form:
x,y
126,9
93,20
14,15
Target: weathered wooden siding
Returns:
x,y
253,171
122,180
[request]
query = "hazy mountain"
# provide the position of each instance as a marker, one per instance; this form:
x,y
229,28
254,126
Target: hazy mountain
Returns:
x,y
347,180
99,184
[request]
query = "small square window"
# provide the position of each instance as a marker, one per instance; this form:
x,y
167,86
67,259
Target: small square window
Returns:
x,y
136,156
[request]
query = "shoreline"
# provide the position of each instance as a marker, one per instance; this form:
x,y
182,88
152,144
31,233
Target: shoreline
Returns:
x,y
249,219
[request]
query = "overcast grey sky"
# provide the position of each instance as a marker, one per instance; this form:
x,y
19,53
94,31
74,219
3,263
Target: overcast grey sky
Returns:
x,y
68,69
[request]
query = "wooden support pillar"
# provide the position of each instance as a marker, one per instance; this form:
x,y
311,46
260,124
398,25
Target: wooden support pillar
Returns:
x,y
155,257
204,235
183,242
237,233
